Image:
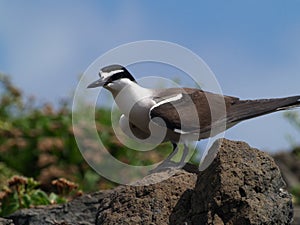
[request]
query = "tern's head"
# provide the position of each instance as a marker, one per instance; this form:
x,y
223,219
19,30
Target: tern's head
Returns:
x,y
113,77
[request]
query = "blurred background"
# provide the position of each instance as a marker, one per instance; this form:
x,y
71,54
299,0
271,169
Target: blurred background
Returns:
x,y
252,47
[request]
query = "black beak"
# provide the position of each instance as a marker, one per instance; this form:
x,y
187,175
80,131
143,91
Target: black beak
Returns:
x,y
97,83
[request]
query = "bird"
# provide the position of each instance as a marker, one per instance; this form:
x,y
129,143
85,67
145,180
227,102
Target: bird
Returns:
x,y
179,115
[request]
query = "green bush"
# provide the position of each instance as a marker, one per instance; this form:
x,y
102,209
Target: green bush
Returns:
x,y
22,192
294,118
296,194
38,142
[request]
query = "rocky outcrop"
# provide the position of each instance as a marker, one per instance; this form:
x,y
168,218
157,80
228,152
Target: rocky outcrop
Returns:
x,y
242,186
81,210
151,204
6,221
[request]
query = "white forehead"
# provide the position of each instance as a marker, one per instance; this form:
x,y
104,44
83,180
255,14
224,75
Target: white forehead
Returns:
x,y
109,74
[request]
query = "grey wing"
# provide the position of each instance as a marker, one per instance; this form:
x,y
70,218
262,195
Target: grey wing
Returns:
x,y
175,114
193,112
200,111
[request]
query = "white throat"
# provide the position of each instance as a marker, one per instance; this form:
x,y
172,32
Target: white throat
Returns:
x,y
127,93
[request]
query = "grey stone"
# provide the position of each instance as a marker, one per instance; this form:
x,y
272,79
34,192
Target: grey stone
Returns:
x,y
242,186
82,211
4,221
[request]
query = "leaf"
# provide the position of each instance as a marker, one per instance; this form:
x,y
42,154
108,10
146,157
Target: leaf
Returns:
x,y
10,205
55,199
39,197
26,201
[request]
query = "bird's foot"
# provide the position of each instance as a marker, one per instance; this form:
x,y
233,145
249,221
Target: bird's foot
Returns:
x,y
167,166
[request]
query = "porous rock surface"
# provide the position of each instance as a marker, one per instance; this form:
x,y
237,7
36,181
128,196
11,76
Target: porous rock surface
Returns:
x,y
80,211
242,186
6,221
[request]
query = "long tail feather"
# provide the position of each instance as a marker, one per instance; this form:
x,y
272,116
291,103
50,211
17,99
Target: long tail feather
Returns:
x,y
247,109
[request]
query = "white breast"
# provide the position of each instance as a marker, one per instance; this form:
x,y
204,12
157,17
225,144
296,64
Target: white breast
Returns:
x,y
133,101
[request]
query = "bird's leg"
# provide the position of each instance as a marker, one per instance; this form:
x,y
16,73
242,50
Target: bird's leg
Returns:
x,y
184,155
174,152
168,163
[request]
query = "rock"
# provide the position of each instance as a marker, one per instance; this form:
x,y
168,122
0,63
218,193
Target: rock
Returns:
x,y
150,204
6,222
242,186
81,210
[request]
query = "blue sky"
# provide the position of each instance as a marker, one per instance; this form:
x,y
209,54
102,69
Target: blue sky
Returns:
x,y
252,47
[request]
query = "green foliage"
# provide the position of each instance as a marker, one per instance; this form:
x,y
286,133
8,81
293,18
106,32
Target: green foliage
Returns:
x,y
38,141
296,194
294,118
24,192
5,174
